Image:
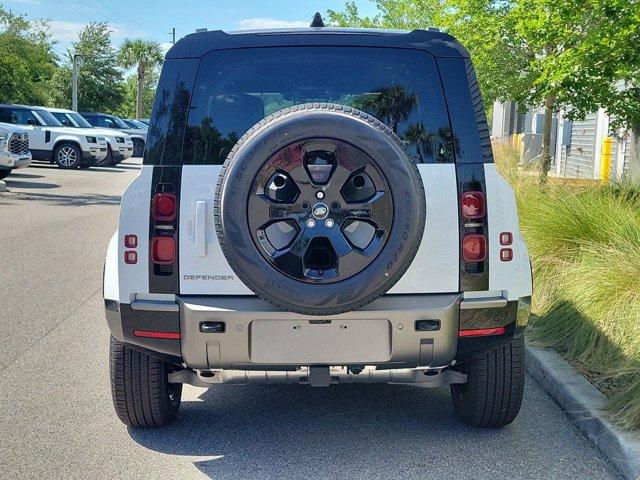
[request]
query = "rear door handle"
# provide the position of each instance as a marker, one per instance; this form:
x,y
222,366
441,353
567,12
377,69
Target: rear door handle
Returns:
x,y
201,228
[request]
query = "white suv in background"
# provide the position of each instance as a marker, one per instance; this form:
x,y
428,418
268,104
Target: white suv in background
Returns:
x,y
14,149
51,142
103,120
120,145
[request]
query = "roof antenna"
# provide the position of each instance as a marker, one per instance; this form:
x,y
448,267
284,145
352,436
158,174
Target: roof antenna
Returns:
x,y
317,21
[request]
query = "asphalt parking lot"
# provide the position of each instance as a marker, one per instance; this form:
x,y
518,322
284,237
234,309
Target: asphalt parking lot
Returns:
x,y
56,417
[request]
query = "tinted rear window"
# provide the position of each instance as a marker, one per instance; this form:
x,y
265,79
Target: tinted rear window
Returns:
x,y
234,89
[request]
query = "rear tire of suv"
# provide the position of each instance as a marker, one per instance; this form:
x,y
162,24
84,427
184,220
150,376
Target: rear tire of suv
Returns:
x,y
4,173
67,156
142,394
495,385
138,147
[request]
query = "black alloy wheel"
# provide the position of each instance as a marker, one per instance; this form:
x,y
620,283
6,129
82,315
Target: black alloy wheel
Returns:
x,y
320,210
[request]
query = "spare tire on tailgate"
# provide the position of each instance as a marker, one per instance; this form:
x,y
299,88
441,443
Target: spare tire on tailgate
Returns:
x,y
319,209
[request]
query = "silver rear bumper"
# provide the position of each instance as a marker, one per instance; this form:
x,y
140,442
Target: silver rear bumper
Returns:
x,y
257,336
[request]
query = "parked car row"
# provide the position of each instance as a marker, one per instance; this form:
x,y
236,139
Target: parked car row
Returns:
x,y
66,138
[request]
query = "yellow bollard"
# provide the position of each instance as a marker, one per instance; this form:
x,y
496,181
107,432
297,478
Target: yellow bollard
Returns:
x,y
605,160
520,143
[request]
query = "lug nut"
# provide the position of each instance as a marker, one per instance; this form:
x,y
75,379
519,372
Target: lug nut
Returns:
x,y
328,223
311,223
319,194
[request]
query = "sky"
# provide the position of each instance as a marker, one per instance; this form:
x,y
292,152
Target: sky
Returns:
x,y
154,19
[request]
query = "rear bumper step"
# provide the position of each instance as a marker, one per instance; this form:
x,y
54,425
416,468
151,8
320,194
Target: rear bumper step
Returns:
x,y
303,376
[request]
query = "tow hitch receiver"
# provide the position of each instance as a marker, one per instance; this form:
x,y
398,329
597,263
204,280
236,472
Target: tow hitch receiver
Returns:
x,y
319,376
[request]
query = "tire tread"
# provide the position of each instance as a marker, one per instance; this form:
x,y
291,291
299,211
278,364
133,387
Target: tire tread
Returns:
x,y
493,393
139,387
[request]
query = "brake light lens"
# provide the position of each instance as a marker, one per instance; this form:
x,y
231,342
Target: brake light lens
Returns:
x,y
164,206
474,248
163,250
506,254
154,334
130,257
506,238
131,241
472,205
482,332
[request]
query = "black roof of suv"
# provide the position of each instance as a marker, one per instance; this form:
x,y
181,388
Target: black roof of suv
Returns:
x,y
436,43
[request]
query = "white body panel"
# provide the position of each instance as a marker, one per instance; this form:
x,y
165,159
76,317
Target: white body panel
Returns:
x,y
199,185
514,277
111,283
134,220
204,269
435,269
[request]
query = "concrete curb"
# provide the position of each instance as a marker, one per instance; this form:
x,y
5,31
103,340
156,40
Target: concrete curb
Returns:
x,y
583,402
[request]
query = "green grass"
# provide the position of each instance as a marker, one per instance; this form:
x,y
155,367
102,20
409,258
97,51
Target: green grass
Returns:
x,y
585,248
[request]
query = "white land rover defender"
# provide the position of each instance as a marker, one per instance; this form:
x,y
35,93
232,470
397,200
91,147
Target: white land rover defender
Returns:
x,y
14,149
51,142
318,206
119,144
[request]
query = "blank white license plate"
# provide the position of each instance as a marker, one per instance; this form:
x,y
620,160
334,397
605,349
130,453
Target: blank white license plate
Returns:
x,y
334,343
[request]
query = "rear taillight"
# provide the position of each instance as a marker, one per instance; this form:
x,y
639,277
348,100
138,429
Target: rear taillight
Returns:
x,y
472,205
163,250
164,207
474,248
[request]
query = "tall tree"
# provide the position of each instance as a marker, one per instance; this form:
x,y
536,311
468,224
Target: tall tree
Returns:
x,y
145,56
99,76
536,52
620,36
27,60
128,107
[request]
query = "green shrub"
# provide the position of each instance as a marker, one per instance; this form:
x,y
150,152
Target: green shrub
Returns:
x,y
585,248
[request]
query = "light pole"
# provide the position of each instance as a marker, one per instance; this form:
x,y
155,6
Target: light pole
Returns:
x,y
74,80
74,84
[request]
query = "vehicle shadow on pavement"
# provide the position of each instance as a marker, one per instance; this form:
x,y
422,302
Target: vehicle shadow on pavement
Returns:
x,y
14,183
348,431
20,175
63,200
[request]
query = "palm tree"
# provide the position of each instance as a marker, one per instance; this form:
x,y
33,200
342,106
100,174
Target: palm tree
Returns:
x,y
145,56
391,105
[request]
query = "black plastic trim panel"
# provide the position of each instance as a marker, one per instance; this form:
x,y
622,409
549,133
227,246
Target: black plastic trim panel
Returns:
x,y
489,317
153,321
165,279
473,277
